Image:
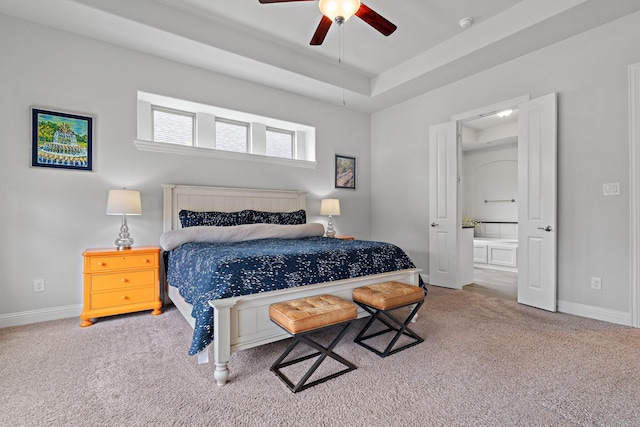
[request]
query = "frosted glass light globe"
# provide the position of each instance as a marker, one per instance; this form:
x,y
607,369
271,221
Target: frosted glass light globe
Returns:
x,y
333,9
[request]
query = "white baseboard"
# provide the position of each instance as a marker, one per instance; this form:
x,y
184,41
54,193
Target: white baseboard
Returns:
x,y
43,315
55,313
611,316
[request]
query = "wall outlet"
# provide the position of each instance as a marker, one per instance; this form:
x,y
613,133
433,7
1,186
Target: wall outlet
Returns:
x,y
611,189
38,285
596,283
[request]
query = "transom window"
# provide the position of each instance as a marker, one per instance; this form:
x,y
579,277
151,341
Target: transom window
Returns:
x,y
172,126
280,143
232,136
182,127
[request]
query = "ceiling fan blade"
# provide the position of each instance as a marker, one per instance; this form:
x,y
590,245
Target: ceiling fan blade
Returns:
x,y
279,1
375,20
321,31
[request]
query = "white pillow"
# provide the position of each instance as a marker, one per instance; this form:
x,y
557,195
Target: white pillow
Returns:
x,y
174,238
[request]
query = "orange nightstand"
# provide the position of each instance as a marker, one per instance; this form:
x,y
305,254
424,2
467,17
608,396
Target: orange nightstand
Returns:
x,y
117,282
345,237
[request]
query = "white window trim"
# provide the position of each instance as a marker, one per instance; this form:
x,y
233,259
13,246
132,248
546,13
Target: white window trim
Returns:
x,y
304,140
175,112
168,148
291,134
247,127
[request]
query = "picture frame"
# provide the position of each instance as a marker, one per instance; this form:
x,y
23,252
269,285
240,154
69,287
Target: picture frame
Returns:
x,y
61,140
345,172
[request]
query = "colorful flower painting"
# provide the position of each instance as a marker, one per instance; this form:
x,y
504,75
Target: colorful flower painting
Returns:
x,y
61,140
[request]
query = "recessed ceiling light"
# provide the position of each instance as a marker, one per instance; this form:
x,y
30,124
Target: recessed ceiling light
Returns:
x,y
505,113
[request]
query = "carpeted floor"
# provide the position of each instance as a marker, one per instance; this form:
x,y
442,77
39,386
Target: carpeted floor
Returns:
x,y
485,362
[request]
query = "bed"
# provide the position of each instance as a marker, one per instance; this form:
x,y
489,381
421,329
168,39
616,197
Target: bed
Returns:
x,y
241,322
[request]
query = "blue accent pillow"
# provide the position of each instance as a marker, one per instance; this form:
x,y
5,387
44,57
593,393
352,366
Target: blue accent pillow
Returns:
x,y
220,219
282,218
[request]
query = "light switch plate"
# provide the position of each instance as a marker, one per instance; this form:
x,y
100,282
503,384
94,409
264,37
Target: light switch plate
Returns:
x,y
611,189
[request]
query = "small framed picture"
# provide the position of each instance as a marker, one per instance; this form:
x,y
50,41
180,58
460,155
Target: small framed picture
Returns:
x,y
345,172
61,140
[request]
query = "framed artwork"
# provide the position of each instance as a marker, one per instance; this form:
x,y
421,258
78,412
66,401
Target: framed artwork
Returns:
x,y
61,140
345,172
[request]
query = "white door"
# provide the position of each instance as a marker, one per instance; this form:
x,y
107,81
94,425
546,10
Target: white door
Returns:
x,y
537,135
443,199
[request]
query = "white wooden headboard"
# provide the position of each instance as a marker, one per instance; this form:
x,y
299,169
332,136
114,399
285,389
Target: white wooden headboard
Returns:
x,y
225,199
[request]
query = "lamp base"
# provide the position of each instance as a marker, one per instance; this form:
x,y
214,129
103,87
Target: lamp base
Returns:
x,y
331,232
124,240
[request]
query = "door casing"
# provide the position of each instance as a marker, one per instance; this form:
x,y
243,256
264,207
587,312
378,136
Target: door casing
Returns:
x,y
480,112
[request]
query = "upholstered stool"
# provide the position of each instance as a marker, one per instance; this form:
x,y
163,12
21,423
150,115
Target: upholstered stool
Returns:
x,y
379,300
304,316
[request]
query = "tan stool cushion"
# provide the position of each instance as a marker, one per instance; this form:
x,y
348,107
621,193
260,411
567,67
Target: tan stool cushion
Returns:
x,y
388,295
305,314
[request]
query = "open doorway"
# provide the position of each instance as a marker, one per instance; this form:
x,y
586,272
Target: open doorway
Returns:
x,y
488,170
536,197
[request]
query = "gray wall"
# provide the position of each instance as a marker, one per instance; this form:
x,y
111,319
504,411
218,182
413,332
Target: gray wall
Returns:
x,y
590,74
50,216
490,173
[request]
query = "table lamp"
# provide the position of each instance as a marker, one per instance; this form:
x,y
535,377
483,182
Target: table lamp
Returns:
x,y
330,207
124,202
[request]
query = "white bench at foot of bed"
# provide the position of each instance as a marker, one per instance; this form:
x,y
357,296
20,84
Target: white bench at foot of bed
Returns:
x,y
243,322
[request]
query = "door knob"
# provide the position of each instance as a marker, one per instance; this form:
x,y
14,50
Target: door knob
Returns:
x,y
433,224
547,228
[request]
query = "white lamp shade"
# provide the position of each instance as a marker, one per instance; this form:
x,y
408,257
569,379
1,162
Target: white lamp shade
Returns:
x,y
124,202
334,8
330,207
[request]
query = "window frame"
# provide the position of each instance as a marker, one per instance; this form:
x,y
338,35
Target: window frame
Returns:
x,y
303,136
290,133
175,112
247,136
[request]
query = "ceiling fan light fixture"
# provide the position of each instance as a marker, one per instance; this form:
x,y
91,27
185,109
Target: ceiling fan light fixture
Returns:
x,y
339,9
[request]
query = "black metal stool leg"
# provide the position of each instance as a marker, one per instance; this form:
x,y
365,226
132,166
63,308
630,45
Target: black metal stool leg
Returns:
x,y
289,349
372,318
323,352
403,330
395,325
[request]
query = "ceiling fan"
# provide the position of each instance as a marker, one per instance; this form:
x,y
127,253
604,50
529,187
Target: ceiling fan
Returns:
x,y
339,11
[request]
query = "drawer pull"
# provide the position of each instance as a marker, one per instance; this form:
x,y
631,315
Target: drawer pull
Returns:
x,y
146,261
101,264
124,280
124,297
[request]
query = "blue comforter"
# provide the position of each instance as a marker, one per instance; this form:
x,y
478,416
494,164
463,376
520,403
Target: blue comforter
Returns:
x,y
208,271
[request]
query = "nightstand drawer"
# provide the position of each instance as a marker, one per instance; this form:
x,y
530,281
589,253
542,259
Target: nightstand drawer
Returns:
x,y
126,279
122,297
103,263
